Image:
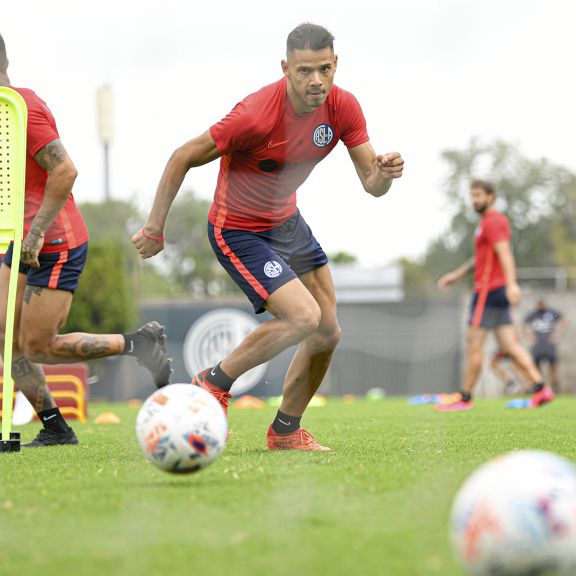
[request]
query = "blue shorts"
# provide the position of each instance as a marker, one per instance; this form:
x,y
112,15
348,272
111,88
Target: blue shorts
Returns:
x,y
58,270
491,313
261,262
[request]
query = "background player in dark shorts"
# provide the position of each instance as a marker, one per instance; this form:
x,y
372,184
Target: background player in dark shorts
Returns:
x,y
545,327
268,145
495,289
53,253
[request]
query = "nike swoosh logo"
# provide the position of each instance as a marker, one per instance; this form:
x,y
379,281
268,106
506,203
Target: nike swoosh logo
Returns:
x,y
274,144
131,347
49,417
285,423
213,372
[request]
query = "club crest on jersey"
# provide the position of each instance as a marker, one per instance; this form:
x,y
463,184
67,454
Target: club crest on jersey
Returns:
x,y
272,269
323,135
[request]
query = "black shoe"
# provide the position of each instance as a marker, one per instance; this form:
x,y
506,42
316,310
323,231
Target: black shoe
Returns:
x,y
154,357
50,438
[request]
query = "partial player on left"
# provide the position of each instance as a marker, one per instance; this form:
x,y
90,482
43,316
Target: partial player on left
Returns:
x,y
54,251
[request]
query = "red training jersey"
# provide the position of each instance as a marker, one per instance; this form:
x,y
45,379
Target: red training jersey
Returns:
x,y
68,230
494,227
268,150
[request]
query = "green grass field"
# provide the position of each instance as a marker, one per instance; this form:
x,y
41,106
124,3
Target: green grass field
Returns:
x,y
378,504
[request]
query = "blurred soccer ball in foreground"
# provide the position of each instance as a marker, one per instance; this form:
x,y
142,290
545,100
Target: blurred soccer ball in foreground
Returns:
x,y
516,516
181,428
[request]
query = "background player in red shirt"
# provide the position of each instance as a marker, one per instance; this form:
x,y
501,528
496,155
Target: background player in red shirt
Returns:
x,y
53,254
268,145
495,290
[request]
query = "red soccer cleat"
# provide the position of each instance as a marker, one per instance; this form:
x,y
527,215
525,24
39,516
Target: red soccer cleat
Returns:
x,y
454,403
300,439
541,397
221,395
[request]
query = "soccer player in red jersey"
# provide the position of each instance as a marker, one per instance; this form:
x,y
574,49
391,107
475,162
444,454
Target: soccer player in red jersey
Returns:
x,y
268,145
53,254
495,290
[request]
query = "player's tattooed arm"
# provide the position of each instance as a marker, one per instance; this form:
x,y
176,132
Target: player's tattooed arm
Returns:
x,y
61,176
52,155
54,159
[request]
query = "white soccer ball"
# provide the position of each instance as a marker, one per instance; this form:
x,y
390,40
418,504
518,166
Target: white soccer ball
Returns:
x,y
181,428
516,516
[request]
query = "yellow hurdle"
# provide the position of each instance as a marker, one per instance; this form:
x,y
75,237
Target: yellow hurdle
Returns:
x,y
13,116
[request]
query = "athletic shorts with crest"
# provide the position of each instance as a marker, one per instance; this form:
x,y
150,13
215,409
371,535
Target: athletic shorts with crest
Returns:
x,y
262,262
58,270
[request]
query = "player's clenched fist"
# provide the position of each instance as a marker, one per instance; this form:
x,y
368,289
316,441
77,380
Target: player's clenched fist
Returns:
x,y
390,165
147,242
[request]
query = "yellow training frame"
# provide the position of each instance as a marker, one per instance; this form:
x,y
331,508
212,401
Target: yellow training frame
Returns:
x,y
13,116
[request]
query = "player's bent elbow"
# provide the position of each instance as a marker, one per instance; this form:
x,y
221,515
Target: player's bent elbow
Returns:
x,y
182,159
65,174
69,172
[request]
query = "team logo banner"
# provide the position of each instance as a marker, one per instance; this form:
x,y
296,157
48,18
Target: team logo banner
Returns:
x,y
213,336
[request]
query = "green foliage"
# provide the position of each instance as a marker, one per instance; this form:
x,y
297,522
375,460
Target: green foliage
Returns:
x,y
116,221
104,301
418,282
187,264
188,259
342,258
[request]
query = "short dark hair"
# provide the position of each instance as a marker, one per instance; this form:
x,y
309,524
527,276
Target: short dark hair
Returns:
x,y
488,187
309,36
3,55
